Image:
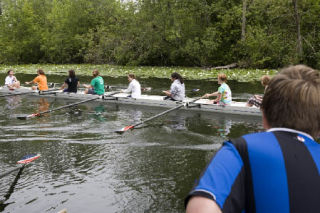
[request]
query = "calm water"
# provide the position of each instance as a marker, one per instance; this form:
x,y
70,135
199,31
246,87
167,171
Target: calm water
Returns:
x,y
86,167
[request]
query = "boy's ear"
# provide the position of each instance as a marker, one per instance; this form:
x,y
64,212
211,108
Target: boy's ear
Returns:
x,y
265,122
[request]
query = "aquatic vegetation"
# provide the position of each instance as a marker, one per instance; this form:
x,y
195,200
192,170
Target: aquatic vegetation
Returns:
x,y
191,73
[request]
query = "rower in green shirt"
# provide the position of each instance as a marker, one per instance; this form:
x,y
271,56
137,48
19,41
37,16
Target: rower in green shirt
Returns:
x,y
96,86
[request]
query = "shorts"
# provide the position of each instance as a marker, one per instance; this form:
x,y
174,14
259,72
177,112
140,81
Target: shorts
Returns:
x,y
67,90
220,103
91,91
169,98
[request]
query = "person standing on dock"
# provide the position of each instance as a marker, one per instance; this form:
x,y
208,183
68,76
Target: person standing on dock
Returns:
x,y
41,80
134,87
72,82
96,86
224,95
177,88
11,81
272,171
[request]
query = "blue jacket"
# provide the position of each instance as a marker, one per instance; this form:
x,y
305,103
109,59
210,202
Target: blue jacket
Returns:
x,y
277,171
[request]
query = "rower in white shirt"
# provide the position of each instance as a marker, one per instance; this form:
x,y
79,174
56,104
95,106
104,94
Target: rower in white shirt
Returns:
x,y
134,87
177,88
11,81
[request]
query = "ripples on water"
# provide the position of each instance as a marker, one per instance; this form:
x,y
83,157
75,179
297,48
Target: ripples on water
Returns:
x,y
86,167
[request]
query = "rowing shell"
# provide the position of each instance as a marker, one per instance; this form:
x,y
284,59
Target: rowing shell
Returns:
x,y
238,108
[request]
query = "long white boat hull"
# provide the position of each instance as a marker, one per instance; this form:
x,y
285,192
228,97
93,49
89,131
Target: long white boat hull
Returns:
x,y
238,108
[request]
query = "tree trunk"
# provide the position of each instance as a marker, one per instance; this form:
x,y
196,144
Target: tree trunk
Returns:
x,y
244,20
229,66
297,19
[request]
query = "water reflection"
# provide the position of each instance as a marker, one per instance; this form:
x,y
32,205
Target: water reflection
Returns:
x,y
177,122
43,105
13,102
136,116
99,113
225,126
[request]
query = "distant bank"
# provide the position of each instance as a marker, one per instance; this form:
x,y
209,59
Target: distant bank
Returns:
x,y
190,73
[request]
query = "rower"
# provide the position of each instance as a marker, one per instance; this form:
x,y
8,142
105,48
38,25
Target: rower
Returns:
x,y
41,80
72,82
11,81
177,88
96,86
224,96
134,87
256,100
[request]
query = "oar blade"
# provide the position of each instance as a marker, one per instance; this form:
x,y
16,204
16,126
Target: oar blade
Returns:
x,y
146,89
28,158
22,117
124,129
25,117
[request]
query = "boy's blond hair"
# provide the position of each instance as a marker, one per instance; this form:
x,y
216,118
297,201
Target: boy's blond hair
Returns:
x,y
292,100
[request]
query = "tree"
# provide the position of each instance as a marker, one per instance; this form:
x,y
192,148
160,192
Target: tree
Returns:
x,y
19,34
255,33
297,20
244,19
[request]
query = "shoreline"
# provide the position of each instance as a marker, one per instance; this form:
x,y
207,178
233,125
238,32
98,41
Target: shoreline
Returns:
x,y
189,73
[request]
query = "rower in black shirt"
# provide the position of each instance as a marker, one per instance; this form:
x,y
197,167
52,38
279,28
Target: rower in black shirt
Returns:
x,y
72,82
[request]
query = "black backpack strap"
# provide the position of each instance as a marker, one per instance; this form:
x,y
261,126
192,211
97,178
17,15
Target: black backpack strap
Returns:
x,y
241,146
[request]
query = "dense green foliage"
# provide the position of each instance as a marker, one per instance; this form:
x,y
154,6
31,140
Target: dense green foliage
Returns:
x,y
203,33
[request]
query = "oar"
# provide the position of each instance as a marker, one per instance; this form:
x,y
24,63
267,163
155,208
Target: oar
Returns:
x,y
18,93
62,107
239,98
24,161
126,128
48,91
29,92
144,89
